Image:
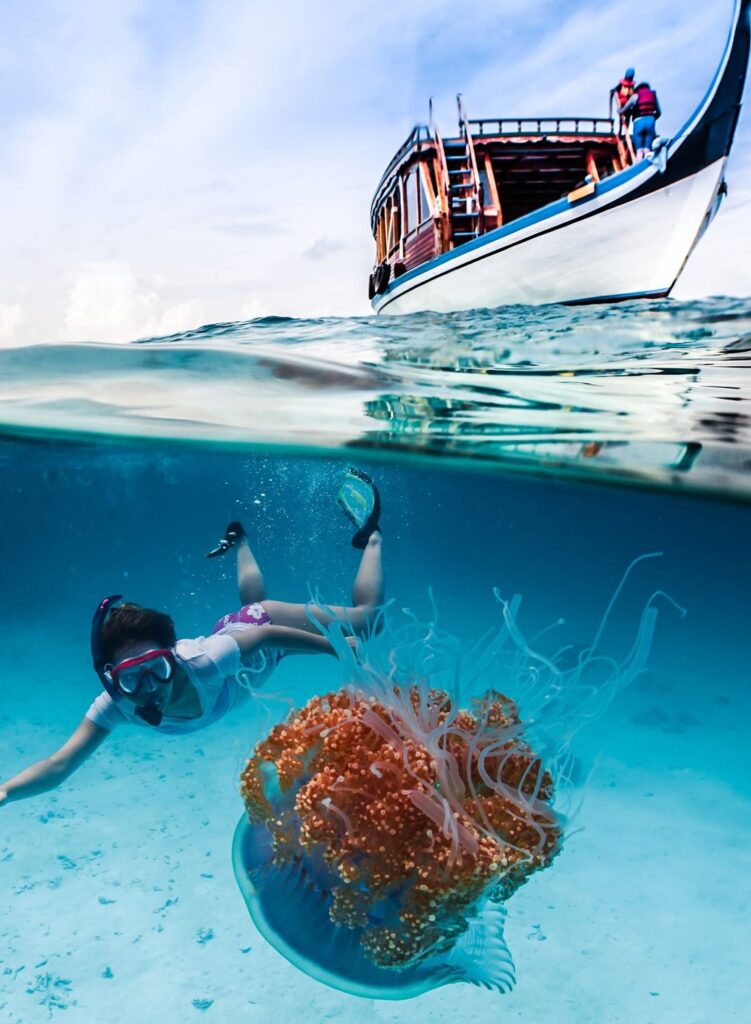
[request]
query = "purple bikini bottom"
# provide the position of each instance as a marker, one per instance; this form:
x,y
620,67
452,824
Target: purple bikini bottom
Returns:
x,y
248,615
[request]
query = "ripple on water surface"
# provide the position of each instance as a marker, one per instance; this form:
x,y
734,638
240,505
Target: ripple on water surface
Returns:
x,y
654,393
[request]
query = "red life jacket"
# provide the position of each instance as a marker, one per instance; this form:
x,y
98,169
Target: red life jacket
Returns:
x,y
646,104
625,90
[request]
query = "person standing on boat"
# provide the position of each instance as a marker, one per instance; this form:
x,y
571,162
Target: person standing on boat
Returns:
x,y
644,107
622,93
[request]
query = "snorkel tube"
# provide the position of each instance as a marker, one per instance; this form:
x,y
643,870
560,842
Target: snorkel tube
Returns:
x,y
150,713
97,624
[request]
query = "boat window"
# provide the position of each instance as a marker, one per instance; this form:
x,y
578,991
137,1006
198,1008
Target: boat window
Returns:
x,y
487,194
425,209
394,220
386,227
411,202
381,235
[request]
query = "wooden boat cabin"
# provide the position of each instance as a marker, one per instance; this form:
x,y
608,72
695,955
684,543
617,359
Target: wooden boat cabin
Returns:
x,y
440,193
526,210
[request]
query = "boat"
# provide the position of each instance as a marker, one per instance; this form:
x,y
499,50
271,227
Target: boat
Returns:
x,y
551,210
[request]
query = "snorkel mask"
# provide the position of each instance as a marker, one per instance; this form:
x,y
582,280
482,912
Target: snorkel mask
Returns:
x,y
132,677
143,674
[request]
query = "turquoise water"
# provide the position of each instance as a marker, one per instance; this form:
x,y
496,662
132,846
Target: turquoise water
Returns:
x,y
652,393
533,451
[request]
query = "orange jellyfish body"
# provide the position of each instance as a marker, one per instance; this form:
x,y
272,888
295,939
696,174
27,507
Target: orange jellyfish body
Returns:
x,y
407,800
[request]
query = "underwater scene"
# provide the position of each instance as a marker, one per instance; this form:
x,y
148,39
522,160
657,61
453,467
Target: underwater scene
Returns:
x,y
495,763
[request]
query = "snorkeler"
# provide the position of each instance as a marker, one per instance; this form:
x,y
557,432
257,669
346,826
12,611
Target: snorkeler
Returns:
x,y
152,679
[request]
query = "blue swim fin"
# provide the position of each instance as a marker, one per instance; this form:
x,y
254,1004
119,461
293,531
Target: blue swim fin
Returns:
x,y
359,500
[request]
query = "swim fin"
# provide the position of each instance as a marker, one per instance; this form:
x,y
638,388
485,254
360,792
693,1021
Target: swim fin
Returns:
x,y
232,535
359,500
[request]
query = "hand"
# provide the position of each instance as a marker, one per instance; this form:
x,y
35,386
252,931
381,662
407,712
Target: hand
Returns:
x,y
3,796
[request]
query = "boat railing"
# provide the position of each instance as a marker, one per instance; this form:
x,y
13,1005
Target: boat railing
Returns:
x,y
465,131
510,126
621,126
628,155
444,191
419,135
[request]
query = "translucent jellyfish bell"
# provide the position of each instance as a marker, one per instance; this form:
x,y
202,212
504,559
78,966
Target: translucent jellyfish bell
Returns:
x,y
390,820
383,833
291,911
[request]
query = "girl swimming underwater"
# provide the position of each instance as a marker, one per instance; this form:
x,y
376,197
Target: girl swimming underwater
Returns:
x,y
152,679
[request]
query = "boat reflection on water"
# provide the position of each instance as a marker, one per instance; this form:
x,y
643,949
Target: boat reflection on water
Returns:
x,y
663,422
654,393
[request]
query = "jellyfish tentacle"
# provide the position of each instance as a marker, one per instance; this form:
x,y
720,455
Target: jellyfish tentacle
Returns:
x,y
617,594
329,804
411,806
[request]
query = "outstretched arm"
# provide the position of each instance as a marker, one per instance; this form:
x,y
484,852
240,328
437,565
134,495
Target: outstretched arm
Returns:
x,y
51,771
284,638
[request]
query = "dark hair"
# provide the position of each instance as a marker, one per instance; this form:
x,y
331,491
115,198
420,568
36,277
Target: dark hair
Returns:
x,y
132,624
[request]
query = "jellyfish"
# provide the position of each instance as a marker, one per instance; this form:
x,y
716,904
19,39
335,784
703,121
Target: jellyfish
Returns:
x,y
389,821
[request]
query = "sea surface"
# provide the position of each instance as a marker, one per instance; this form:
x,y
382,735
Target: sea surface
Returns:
x,y
532,452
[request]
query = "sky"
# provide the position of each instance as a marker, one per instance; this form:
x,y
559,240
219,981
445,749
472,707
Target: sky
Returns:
x,y
170,163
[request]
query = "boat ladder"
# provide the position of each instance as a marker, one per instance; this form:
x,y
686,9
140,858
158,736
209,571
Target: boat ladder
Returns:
x,y
464,187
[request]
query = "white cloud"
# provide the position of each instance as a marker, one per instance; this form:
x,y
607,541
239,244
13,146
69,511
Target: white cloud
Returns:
x,y
193,164
183,316
11,318
108,303
253,309
323,248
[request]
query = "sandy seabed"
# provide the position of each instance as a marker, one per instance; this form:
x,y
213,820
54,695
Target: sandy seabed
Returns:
x,y
119,903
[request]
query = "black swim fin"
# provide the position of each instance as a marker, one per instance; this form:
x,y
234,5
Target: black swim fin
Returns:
x,y
360,501
232,535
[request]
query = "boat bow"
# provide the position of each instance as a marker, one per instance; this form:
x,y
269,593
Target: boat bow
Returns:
x,y
597,243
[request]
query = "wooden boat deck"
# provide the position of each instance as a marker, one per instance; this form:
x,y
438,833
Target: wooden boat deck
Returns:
x,y
438,193
525,210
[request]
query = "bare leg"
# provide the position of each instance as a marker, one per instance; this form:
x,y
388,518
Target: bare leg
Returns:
x,y
367,594
249,576
368,586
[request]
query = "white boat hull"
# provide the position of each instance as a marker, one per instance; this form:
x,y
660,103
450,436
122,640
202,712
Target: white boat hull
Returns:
x,y
630,239
634,249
